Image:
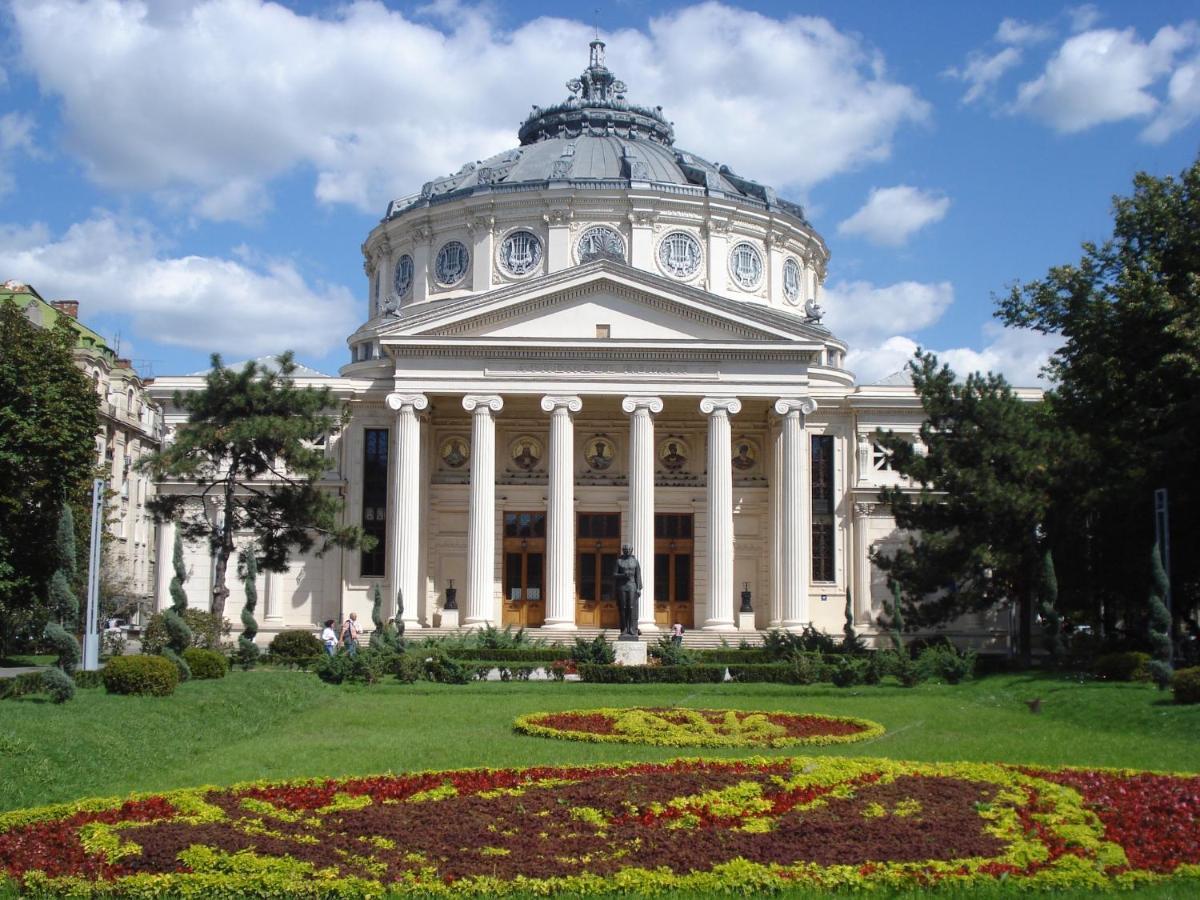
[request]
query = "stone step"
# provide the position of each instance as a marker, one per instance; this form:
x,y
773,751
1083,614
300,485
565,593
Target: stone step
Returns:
x,y
695,639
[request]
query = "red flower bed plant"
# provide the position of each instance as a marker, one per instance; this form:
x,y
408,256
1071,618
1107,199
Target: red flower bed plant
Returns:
x,y
706,826
680,727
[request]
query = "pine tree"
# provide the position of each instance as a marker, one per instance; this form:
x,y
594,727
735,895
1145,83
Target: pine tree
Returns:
x,y
851,643
247,648
245,428
179,635
1161,669
379,635
896,614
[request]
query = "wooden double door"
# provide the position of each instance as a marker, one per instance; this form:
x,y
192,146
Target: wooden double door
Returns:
x,y
524,569
597,546
674,565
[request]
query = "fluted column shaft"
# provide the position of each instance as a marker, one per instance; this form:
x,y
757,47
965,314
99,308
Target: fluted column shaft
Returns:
x,y
404,569
481,517
775,502
560,514
720,511
793,568
862,562
641,497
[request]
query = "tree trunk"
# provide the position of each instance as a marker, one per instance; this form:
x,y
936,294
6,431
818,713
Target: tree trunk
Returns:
x,y
1025,629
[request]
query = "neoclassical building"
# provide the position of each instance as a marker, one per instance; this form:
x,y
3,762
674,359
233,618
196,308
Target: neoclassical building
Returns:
x,y
591,339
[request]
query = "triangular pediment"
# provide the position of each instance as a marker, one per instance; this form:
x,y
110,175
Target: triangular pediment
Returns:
x,y
576,305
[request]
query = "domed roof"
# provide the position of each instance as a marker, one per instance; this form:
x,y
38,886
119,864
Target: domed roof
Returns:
x,y
599,139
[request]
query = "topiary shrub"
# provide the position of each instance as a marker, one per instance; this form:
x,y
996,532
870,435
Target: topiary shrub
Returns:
x,y
205,663
946,663
441,668
179,633
408,668
847,672
1185,685
88,679
153,675
807,668
597,651
299,648
206,634
669,653
58,685
1130,665
1159,668
64,645
247,651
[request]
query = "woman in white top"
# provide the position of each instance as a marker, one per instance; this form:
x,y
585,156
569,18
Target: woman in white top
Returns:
x,y
329,638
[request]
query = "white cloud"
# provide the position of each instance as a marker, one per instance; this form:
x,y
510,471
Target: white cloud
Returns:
x,y
1103,76
204,95
203,302
1083,17
1015,32
880,323
1183,103
16,136
892,215
864,314
983,70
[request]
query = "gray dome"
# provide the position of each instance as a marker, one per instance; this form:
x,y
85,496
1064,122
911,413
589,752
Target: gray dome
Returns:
x,y
595,139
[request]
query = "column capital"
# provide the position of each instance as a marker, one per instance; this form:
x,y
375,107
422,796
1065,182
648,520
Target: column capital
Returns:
x,y
863,510
483,403
806,406
632,404
551,402
398,401
727,405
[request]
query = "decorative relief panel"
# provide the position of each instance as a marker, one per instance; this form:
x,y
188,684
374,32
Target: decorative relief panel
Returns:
x,y
679,255
452,263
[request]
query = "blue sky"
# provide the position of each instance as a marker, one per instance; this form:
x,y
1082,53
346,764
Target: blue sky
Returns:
x,y
200,174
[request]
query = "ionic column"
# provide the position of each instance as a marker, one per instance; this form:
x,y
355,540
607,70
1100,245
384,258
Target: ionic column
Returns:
x,y
775,502
641,497
560,514
481,525
405,568
720,511
164,565
862,563
795,512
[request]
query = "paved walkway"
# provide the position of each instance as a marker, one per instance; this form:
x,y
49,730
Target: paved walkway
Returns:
x,y
14,671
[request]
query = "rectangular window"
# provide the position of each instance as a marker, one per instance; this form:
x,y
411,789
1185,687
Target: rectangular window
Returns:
x,y
603,331
822,508
374,500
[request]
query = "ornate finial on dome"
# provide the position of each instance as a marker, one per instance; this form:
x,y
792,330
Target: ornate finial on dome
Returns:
x,y
597,83
597,107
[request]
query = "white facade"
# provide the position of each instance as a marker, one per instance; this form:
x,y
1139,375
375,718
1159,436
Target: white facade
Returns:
x,y
590,340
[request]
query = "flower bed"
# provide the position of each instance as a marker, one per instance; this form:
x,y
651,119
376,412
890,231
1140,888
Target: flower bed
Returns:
x,y
677,727
705,826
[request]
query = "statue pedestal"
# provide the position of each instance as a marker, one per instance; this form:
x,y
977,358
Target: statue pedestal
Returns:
x,y
630,653
746,621
449,618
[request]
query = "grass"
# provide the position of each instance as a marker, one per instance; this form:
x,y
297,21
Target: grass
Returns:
x,y
27,659
281,724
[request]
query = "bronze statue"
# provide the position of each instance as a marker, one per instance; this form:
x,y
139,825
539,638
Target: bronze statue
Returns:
x,y
627,577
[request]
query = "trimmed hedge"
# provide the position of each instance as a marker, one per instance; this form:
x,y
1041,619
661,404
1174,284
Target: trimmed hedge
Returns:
x,y
1128,666
735,657
85,678
153,675
20,685
1185,685
205,663
58,685
651,674
507,654
296,648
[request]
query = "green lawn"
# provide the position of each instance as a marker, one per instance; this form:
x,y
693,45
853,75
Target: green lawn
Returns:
x,y
280,724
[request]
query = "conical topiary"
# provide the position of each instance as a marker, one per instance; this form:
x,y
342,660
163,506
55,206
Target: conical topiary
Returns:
x,y
247,648
179,635
1051,620
1160,666
64,603
897,617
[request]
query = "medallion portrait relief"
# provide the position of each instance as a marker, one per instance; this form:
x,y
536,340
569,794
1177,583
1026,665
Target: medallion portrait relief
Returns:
x,y
599,452
454,452
745,455
673,453
526,453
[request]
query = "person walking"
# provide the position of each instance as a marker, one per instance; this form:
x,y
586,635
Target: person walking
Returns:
x,y
677,634
329,637
350,633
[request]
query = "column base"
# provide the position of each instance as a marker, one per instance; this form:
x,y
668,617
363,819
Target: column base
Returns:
x,y
649,628
718,626
560,625
477,624
794,626
449,618
414,625
746,622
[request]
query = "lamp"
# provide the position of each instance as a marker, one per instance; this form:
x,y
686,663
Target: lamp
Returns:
x,y
746,607
451,596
